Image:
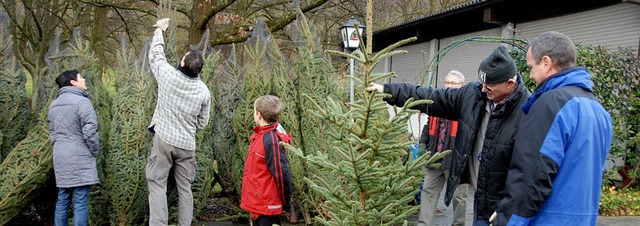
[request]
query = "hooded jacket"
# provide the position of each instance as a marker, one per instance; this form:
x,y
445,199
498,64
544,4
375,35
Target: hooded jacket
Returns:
x,y
266,180
73,130
558,160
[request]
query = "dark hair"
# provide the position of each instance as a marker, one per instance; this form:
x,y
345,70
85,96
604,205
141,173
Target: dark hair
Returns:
x,y
66,77
193,62
269,107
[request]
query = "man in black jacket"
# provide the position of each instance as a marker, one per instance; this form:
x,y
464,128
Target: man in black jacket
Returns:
x,y
488,113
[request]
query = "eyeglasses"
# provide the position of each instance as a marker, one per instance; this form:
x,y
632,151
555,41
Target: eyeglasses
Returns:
x,y
452,83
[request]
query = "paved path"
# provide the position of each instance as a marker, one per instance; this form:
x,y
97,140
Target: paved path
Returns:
x,y
444,219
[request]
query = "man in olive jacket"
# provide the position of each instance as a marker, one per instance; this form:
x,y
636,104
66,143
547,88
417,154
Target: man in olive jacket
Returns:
x,y
488,113
73,130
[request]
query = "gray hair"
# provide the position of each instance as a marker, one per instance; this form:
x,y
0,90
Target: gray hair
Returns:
x,y
557,46
456,74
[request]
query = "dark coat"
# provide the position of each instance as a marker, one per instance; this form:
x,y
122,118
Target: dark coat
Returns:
x,y
429,138
467,105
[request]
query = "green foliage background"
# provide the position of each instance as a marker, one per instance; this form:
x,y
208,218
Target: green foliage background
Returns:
x,y
129,138
15,114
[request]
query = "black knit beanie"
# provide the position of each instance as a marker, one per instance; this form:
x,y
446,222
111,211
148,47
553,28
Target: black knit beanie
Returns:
x,y
497,67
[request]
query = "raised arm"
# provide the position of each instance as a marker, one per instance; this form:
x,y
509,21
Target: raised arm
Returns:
x,y
157,60
447,103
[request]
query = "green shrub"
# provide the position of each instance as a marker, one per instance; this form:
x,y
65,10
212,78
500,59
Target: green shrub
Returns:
x,y
619,202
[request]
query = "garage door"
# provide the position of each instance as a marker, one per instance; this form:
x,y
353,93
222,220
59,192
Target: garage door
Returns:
x,y
466,57
408,67
614,26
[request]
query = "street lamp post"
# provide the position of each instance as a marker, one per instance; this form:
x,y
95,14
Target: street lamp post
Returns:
x,y
351,42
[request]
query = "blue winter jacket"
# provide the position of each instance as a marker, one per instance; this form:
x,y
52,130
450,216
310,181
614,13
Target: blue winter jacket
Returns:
x,y
556,169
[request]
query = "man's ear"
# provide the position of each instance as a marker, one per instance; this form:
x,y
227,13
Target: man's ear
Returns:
x,y
547,62
512,83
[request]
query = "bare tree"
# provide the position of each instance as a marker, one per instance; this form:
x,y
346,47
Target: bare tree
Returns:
x,y
32,25
230,21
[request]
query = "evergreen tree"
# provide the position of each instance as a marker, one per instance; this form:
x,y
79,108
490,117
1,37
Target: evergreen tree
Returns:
x,y
256,82
15,115
266,71
205,169
229,162
316,79
129,138
362,179
25,170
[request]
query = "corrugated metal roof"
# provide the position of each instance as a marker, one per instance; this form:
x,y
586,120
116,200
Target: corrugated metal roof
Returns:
x,y
445,11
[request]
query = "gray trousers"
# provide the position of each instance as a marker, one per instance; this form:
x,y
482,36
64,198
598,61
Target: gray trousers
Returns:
x,y
162,157
434,181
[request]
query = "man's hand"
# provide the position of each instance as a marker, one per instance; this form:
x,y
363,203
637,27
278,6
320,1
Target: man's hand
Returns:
x,y
375,87
493,217
162,24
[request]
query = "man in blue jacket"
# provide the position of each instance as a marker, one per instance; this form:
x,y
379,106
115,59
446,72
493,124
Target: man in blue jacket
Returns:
x,y
559,156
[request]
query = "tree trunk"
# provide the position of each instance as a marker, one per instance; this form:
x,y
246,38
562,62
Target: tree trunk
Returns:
x,y
99,34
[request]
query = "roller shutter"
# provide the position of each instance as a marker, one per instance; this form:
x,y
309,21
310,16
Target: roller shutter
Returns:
x,y
465,57
613,26
411,65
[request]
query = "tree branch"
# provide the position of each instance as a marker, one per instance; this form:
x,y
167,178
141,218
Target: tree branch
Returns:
x,y
202,23
126,26
119,6
232,34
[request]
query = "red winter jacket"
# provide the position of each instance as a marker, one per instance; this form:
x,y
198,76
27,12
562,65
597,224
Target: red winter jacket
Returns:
x,y
266,181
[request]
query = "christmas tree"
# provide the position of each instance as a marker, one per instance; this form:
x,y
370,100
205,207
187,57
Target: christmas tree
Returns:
x,y
14,107
316,79
362,179
129,138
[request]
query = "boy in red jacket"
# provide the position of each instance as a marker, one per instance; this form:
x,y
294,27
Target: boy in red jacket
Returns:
x,y
266,182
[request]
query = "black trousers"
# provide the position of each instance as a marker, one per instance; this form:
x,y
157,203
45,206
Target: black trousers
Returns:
x,y
264,220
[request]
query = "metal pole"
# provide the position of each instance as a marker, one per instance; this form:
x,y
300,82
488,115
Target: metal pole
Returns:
x,y
351,93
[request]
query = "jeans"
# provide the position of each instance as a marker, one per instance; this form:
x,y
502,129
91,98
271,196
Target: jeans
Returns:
x,y
476,221
80,206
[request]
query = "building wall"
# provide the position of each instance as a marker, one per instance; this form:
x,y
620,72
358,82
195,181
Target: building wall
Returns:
x,y
410,67
466,56
613,26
